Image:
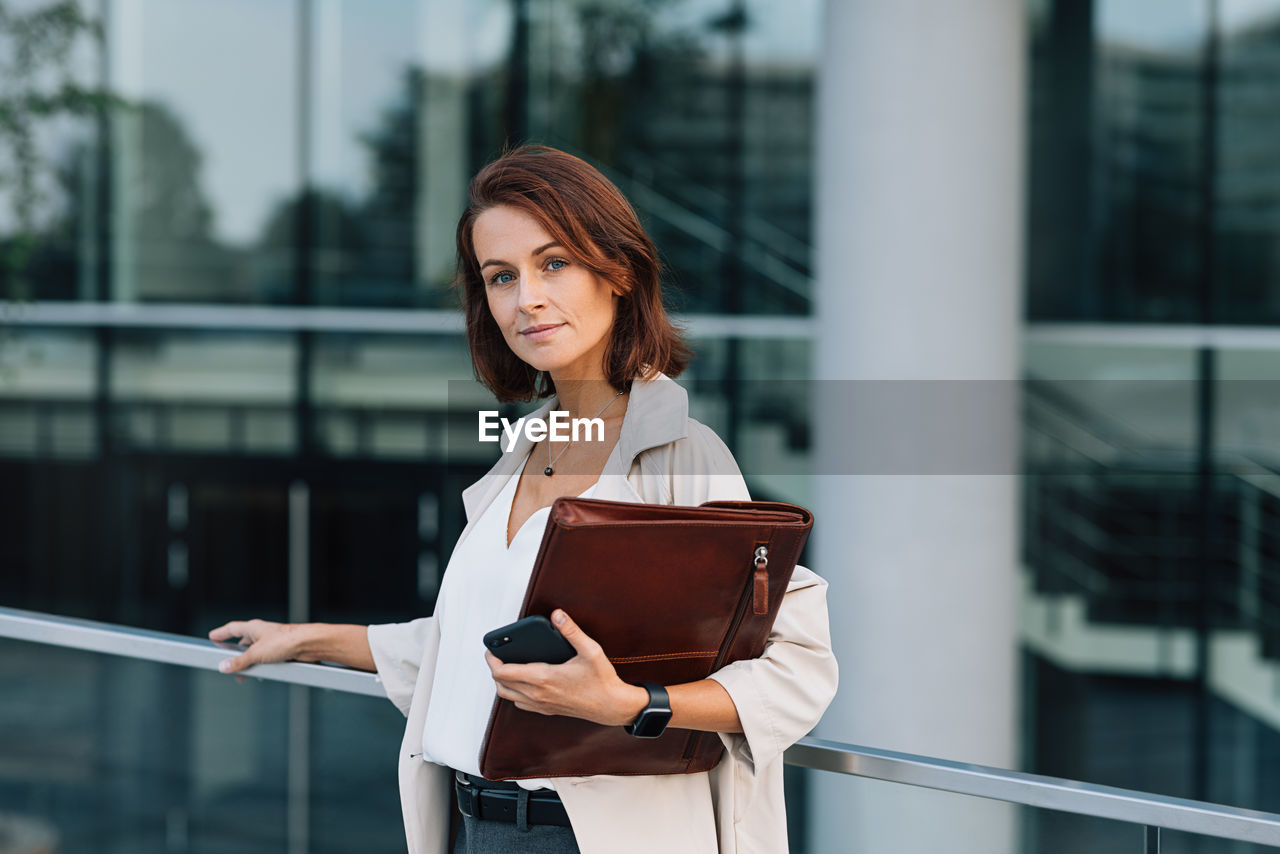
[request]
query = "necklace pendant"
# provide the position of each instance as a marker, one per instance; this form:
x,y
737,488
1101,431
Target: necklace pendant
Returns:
x,y
547,471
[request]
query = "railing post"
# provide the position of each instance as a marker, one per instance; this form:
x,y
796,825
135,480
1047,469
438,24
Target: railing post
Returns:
x,y
299,744
1250,557
1151,836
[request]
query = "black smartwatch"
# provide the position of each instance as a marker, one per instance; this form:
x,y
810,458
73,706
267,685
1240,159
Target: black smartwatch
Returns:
x,y
654,717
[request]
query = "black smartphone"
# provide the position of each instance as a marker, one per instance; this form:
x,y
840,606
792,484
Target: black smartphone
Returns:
x,y
529,640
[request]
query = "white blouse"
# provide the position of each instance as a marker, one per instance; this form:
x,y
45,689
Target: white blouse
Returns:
x,y
483,588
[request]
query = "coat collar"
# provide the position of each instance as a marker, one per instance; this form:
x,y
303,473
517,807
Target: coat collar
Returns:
x,y
657,413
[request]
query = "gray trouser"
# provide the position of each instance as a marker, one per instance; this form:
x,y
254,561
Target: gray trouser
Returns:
x,y
500,837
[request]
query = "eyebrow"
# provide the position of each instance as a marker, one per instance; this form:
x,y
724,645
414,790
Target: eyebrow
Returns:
x,y
538,251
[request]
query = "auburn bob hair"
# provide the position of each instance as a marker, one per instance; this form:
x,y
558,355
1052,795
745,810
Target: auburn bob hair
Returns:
x,y
595,223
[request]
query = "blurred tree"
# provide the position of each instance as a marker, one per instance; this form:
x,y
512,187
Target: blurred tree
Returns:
x,y
171,220
37,85
338,243
165,217
386,267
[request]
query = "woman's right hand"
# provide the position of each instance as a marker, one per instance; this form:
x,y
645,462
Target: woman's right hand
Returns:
x,y
267,642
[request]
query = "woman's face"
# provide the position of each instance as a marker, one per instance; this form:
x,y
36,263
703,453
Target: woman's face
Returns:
x,y
554,313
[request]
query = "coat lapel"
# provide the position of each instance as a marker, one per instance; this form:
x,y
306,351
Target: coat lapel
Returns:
x,y
478,496
657,413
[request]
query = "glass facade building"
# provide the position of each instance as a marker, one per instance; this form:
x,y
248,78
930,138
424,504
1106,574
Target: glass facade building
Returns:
x,y
233,380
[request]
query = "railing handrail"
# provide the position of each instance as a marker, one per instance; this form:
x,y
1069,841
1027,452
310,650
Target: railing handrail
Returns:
x,y
167,648
1000,784
1036,790
281,318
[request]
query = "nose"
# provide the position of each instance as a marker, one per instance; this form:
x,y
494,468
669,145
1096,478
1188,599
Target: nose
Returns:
x,y
533,296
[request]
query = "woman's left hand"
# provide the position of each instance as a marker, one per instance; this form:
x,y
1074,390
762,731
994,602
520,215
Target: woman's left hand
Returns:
x,y
586,686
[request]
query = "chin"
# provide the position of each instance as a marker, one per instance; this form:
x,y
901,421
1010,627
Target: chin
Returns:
x,y
550,359
541,361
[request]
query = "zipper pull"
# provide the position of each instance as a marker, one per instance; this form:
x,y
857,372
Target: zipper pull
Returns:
x,y
760,583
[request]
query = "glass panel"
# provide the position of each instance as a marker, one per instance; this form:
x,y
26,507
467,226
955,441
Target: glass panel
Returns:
x,y
1112,545
755,394
702,114
205,391
1149,104
367,125
369,157
1109,445
1119,95
857,814
847,813
114,755
387,396
1117,532
197,199
1117,120
1246,397
51,171
47,382
1247,214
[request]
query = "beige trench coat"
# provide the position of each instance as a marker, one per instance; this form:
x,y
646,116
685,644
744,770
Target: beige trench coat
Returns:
x,y
662,457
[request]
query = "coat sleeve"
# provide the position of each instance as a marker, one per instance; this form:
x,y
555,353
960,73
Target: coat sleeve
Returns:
x,y
398,650
781,695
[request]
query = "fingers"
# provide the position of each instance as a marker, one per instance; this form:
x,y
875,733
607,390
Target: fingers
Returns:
x,y
522,701
233,629
225,632
534,674
266,642
582,644
238,663
499,668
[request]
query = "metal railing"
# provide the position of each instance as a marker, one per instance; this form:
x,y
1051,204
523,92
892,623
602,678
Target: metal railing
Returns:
x,y
173,317
1152,811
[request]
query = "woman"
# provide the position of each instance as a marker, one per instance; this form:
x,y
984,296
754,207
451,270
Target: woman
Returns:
x,y
560,286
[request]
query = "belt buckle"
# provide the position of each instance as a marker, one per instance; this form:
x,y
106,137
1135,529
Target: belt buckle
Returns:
x,y
468,799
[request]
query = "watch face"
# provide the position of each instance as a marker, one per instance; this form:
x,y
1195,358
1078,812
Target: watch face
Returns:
x,y
651,723
654,717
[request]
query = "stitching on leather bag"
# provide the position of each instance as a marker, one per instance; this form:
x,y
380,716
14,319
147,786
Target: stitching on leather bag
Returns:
x,y
731,525
631,659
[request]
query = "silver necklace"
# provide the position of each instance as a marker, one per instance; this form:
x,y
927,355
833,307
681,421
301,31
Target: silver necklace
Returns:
x,y
548,471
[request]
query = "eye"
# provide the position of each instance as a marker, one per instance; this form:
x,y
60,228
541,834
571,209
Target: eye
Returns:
x,y
557,264
505,277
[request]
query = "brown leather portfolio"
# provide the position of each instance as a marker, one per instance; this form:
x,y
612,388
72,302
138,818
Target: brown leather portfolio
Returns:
x,y
672,594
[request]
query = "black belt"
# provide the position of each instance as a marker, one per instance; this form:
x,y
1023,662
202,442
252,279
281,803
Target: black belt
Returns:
x,y
489,800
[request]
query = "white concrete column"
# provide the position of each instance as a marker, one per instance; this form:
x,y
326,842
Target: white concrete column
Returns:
x,y
919,244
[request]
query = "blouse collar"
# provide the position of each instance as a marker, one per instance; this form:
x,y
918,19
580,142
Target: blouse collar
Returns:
x,y
657,413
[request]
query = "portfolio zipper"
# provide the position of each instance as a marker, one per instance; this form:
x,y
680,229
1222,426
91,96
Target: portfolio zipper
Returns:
x,y
749,595
760,582
757,593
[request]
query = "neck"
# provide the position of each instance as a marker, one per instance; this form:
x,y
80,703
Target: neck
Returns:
x,y
583,398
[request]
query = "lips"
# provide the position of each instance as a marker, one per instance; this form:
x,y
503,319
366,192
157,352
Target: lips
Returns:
x,y
541,331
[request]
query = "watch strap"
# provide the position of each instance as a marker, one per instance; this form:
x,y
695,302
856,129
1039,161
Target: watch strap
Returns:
x,y
653,718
